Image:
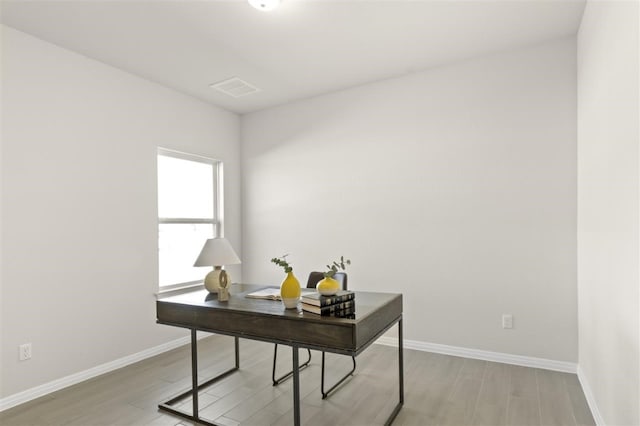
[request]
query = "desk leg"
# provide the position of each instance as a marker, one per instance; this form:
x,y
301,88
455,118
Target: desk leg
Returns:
x,y
296,387
400,362
194,372
237,345
400,377
195,387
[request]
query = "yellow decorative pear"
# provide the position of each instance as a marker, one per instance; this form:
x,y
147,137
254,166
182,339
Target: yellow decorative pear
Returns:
x,y
290,291
329,285
290,287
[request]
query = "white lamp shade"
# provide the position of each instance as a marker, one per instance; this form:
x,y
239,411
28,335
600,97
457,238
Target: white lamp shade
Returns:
x,y
265,5
217,252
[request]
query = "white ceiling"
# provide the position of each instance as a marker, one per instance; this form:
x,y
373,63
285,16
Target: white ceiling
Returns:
x,y
302,49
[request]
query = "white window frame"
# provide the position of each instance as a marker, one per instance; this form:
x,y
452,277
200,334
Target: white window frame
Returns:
x,y
218,203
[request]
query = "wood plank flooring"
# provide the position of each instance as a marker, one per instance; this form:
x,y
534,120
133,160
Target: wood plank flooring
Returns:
x,y
439,390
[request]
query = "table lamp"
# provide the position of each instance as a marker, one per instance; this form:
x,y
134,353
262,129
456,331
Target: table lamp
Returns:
x,y
217,252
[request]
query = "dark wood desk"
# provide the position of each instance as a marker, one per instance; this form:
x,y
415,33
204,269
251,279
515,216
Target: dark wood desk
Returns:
x,y
268,321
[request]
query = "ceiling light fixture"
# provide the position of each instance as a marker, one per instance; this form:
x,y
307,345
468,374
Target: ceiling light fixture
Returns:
x,y
265,5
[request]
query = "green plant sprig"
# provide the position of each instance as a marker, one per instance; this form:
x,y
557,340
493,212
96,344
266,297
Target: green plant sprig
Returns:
x,y
282,261
335,266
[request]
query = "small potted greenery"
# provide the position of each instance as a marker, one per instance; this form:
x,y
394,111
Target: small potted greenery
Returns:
x,y
329,285
290,287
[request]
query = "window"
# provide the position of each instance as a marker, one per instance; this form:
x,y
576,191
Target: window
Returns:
x,y
189,199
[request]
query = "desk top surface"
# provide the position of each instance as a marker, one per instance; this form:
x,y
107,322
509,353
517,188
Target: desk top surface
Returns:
x,y
269,320
365,302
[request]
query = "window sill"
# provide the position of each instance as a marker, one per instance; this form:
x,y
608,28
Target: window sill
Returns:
x,y
174,291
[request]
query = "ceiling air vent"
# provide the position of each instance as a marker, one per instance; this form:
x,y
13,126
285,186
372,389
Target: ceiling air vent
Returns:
x,y
235,87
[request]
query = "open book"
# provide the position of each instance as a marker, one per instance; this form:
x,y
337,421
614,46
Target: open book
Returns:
x,y
266,293
273,293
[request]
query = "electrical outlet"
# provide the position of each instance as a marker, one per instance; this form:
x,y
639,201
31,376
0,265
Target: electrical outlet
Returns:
x,y
507,321
25,351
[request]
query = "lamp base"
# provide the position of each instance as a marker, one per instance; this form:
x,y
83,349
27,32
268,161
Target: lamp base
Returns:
x,y
212,282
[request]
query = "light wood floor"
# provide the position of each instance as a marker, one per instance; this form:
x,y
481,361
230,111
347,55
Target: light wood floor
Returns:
x,y
439,390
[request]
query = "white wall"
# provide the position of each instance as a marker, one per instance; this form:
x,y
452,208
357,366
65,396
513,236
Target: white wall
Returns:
x,y
608,209
79,233
455,186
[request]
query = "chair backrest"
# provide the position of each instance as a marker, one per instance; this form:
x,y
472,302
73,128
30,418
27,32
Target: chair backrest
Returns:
x,y
315,277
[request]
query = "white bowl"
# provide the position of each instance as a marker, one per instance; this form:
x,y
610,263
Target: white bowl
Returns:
x,y
290,303
328,292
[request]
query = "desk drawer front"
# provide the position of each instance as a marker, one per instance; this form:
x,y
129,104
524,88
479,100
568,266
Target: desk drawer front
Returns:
x,y
332,336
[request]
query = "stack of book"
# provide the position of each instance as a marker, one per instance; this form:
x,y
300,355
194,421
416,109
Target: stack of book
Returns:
x,y
342,304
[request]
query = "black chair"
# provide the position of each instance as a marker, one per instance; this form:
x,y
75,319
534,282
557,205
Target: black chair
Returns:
x,y
314,278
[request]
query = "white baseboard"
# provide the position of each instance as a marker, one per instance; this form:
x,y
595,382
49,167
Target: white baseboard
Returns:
x,y
591,401
568,367
38,391
525,361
